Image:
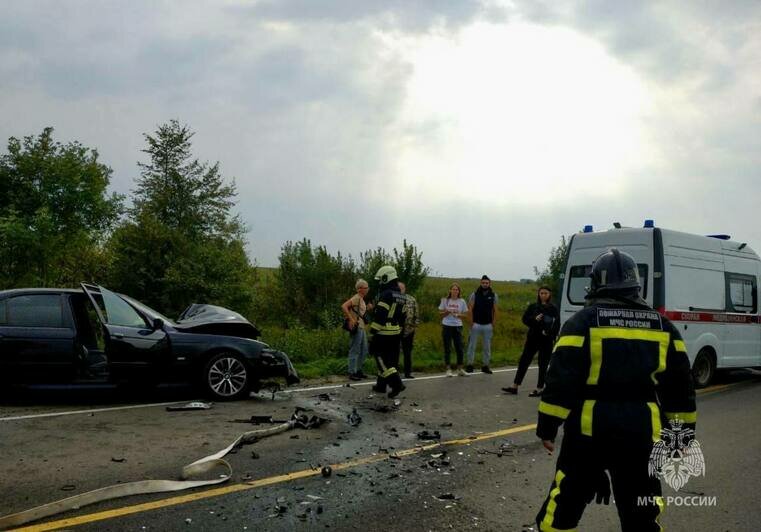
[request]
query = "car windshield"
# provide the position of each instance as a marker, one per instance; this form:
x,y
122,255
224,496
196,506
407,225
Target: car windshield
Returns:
x,y
145,309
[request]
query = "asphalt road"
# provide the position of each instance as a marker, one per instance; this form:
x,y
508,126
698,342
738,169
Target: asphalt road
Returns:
x,y
493,473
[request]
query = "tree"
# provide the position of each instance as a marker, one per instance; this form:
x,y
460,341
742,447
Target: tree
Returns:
x,y
181,192
408,264
181,244
551,275
313,284
55,212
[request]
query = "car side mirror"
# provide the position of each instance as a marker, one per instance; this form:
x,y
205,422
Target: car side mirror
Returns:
x,y
158,324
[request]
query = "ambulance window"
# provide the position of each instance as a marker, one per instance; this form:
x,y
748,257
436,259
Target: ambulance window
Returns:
x,y
742,292
579,281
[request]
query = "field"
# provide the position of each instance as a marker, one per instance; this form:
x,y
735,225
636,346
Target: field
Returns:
x,y
323,352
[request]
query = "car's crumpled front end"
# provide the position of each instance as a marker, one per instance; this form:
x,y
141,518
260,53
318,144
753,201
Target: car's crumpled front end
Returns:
x,y
214,320
211,319
279,365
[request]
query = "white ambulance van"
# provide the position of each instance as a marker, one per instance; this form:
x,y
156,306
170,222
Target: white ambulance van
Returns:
x,y
706,285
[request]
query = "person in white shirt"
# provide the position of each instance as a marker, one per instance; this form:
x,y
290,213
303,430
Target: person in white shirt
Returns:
x,y
452,309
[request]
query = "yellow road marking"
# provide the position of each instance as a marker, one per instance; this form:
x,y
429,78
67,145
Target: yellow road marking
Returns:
x,y
278,479
715,388
268,481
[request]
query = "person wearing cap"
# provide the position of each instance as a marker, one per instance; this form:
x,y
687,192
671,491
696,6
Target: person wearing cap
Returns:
x,y
619,372
386,331
482,307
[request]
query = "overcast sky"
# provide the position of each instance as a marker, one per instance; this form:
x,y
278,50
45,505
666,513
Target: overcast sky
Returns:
x,y
480,131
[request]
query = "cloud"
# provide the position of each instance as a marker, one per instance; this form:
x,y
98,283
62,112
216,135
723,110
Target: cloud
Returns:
x,y
316,109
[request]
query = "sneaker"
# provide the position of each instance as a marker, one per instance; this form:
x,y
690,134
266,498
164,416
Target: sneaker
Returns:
x,y
409,376
510,390
394,393
486,369
449,372
535,393
462,373
469,368
354,377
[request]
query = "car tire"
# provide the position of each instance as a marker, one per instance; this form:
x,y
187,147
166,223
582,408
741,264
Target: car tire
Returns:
x,y
704,368
226,377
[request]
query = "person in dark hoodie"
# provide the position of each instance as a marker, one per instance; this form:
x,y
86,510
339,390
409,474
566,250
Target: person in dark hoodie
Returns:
x,y
386,331
542,320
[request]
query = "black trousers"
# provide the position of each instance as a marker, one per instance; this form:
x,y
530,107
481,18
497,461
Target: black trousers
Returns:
x,y
580,467
451,334
407,342
534,343
385,350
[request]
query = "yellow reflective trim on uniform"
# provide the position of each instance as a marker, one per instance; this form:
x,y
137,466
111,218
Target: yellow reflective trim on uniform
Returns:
x,y
569,341
549,514
392,310
598,334
679,346
389,330
655,420
684,417
586,417
383,304
388,372
661,507
553,410
376,325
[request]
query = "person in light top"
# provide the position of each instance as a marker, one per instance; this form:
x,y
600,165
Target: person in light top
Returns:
x,y
453,309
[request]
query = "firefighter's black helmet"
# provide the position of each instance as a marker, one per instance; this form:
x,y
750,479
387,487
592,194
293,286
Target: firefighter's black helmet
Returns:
x,y
614,272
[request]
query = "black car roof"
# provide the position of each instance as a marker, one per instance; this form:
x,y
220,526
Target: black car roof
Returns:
x,y
22,291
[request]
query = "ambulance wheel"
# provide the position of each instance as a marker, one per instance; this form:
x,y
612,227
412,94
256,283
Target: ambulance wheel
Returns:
x,y
703,368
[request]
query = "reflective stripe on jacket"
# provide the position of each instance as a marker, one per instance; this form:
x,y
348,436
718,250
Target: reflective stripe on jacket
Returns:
x,y
617,371
389,312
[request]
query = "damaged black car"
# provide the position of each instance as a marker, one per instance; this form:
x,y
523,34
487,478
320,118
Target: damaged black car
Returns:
x,y
94,335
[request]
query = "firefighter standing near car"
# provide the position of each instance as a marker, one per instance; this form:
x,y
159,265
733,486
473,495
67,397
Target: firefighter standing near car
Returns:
x,y
619,371
386,331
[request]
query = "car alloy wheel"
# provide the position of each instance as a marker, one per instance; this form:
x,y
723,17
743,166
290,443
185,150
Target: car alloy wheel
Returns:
x,y
227,376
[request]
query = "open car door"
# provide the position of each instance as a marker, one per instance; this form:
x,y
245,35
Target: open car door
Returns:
x,y
134,349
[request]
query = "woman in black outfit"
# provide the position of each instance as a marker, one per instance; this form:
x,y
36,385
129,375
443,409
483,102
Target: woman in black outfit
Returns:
x,y
543,321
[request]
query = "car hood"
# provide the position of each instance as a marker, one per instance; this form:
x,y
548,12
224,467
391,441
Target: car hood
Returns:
x,y
211,319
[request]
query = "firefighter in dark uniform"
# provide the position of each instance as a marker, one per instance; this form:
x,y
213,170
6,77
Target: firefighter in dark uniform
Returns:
x,y
386,332
619,371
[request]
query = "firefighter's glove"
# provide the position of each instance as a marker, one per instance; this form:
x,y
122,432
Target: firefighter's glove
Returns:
x,y
601,492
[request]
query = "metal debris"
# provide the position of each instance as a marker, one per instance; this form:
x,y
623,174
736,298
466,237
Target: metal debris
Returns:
x,y
425,435
354,418
194,405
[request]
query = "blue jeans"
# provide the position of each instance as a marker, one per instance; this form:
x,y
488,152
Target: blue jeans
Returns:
x,y
487,331
357,351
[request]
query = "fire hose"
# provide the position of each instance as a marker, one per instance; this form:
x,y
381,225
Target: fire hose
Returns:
x,y
195,469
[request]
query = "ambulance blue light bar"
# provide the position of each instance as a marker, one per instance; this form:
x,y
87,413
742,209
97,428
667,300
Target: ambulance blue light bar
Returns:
x,y
649,224
588,229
